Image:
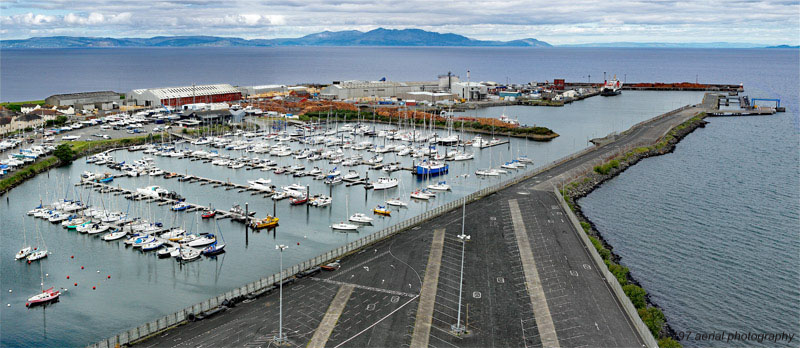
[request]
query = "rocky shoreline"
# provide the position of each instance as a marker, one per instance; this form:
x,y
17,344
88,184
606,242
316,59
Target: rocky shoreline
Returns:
x,y
589,182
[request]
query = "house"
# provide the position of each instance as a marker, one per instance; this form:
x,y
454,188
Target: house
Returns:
x,y
28,108
65,110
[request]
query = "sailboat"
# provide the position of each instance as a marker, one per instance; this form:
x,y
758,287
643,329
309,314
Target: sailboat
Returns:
x,y
45,296
26,248
216,247
39,252
343,225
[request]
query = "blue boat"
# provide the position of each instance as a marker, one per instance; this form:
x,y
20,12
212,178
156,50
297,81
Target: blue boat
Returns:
x,y
431,168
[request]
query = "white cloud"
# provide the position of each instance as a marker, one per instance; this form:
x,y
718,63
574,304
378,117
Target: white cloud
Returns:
x,y
573,21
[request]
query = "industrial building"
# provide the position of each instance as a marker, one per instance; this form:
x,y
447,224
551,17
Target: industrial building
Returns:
x,y
253,91
432,97
104,100
381,89
470,90
176,96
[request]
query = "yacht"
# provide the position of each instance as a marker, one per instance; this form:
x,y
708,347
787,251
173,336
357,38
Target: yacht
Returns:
x,y
385,183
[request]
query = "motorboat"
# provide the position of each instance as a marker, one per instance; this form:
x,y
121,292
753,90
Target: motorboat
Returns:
x,y
299,200
261,184
382,210
440,186
180,206
385,183
343,226
431,168
155,172
203,240
268,222
333,180
208,213
351,175
320,201
360,218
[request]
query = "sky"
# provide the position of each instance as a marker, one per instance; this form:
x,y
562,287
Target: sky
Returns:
x,y
556,22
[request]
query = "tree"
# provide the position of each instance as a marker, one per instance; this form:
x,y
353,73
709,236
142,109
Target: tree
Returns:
x,y
636,294
64,153
653,318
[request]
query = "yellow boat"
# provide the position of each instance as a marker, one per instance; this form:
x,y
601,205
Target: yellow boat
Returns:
x,y
381,210
268,222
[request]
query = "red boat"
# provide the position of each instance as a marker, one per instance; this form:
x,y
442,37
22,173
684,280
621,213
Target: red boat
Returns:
x,y
209,214
46,296
299,201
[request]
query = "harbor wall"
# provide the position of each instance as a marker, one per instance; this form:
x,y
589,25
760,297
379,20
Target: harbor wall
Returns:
x,y
266,284
610,278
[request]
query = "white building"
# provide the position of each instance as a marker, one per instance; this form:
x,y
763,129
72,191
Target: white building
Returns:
x,y
470,90
378,89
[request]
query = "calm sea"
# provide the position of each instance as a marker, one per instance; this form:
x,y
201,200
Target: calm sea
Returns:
x,y
727,214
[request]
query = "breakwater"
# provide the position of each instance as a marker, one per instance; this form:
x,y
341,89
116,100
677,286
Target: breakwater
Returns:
x,y
583,185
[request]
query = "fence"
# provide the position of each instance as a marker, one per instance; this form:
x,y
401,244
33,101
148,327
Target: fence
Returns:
x,y
265,283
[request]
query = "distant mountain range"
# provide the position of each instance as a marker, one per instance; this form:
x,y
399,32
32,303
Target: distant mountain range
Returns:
x,y
669,45
377,37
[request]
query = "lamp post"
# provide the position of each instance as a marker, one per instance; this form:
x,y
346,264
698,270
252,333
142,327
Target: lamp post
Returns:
x,y
457,328
280,339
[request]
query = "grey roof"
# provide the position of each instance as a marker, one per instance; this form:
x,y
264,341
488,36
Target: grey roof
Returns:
x,y
85,95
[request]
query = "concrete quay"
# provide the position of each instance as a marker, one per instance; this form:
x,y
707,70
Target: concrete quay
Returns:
x,y
530,278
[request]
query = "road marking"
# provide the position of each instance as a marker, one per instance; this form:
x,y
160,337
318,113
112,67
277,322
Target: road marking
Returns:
x,y
328,322
422,324
547,330
364,287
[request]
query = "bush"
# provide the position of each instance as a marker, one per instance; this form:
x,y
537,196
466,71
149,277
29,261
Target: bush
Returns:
x,y
619,271
653,318
604,253
636,294
64,153
586,226
669,343
606,168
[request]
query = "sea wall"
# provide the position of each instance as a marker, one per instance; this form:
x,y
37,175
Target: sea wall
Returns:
x,y
581,186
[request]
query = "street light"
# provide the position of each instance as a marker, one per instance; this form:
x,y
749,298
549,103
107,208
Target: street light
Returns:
x,y
457,328
280,339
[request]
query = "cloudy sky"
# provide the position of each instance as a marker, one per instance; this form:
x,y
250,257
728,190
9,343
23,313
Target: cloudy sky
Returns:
x,y
557,22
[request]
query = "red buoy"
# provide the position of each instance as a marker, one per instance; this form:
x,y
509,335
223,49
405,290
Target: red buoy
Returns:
x,y
76,284
29,262
35,248
67,277
72,257
109,277
81,267
93,288
298,243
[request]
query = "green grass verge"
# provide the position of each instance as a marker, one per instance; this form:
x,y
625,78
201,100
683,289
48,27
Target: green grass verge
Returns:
x,y
17,106
26,172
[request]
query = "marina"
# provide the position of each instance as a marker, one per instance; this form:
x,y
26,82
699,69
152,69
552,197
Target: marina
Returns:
x,y
206,186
